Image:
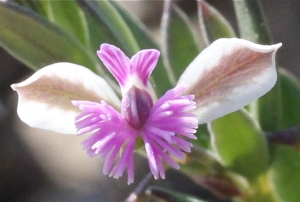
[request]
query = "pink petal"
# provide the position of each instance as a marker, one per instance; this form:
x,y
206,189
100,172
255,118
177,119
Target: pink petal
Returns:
x,y
115,61
143,63
112,135
128,72
164,135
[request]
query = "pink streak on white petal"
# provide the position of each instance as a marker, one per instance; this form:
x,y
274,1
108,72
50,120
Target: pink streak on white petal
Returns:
x,y
45,97
228,75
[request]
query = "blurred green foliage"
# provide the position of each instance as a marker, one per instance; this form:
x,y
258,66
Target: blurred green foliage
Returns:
x,y
42,34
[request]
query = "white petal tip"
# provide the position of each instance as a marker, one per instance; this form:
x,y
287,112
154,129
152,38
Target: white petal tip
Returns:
x,y
14,87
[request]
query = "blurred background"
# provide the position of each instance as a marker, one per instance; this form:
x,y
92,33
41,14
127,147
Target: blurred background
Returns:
x,y
43,166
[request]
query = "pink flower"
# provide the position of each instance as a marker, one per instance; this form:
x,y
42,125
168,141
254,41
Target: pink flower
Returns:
x,y
162,125
223,78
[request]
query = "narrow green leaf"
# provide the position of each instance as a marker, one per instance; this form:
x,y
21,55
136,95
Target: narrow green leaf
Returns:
x,y
68,16
285,173
104,12
268,109
140,32
215,23
251,21
279,109
240,143
145,40
33,5
81,25
98,34
290,92
36,42
179,41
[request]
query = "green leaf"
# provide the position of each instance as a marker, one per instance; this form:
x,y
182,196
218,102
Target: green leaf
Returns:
x,y
98,32
203,136
81,25
240,144
280,108
103,12
285,173
290,92
268,109
251,21
140,32
33,5
145,40
68,16
179,41
214,22
35,41
170,195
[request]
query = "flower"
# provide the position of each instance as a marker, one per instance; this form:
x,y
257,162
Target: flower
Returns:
x,y
226,76
161,125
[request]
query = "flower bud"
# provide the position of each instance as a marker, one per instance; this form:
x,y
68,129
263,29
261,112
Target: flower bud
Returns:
x,y
136,107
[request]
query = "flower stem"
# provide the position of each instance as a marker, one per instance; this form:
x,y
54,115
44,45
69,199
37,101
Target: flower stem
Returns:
x,y
140,189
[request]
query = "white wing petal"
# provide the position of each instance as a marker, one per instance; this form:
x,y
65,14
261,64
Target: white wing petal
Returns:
x,y
228,75
45,97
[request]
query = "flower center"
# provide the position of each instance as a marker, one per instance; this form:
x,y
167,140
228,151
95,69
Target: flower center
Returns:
x,y
136,107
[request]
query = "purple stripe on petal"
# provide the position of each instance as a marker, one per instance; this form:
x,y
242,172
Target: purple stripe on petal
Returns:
x,y
143,63
115,61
